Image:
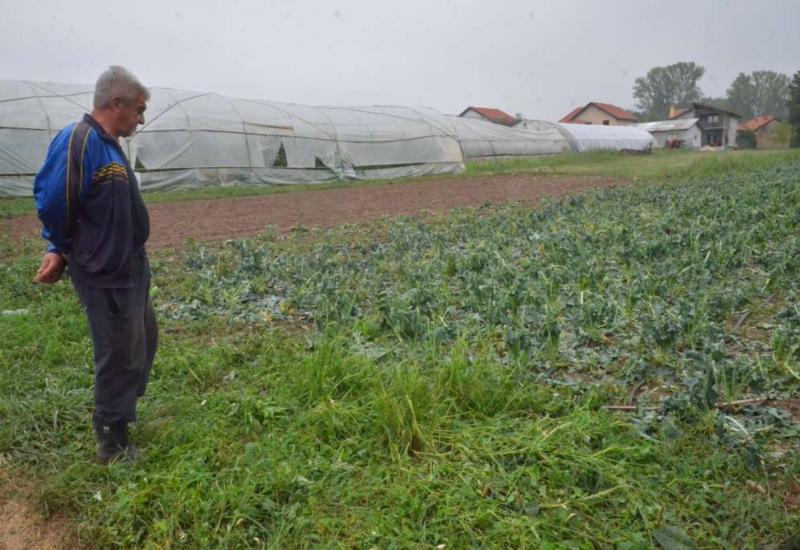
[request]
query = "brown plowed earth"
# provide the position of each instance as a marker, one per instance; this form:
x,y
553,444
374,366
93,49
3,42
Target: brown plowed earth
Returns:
x,y
218,219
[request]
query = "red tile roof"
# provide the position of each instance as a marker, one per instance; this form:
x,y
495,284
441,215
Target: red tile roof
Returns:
x,y
572,114
757,122
613,110
495,115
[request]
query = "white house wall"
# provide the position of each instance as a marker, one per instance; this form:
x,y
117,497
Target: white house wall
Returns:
x,y
733,126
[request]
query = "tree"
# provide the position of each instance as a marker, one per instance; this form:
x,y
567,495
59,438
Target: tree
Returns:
x,y
759,93
718,102
794,109
674,84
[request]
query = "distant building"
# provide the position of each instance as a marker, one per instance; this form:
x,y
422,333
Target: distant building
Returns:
x,y
681,133
718,126
492,115
767,132
599,113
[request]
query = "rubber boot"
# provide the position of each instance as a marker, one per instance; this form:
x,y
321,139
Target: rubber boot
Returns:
x,y
113,444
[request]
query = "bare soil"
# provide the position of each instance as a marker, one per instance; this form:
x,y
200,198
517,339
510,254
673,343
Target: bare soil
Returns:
x,y
219,219
792,406
22,524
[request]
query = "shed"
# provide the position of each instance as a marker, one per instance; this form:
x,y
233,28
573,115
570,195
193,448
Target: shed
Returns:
x,y
681,133
769,132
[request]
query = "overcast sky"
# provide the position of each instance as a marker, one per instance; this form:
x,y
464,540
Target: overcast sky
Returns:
x,y
540,58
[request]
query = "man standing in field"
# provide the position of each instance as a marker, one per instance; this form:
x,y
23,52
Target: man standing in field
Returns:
x,y
93,215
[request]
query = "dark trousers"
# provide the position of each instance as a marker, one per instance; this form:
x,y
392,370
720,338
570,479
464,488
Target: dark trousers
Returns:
x,y
124,333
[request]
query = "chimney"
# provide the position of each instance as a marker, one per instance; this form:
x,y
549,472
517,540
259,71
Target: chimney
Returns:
x,y
672,111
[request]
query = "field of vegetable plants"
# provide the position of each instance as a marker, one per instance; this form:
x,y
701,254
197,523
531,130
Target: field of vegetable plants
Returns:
x,y
617,369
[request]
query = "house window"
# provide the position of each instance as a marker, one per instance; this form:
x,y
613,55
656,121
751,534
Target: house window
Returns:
x,y
605,123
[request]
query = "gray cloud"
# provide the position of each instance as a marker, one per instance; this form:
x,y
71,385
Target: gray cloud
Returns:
x,y
540,58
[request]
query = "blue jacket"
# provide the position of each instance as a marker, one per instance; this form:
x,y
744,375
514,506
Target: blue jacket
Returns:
x,y
89,203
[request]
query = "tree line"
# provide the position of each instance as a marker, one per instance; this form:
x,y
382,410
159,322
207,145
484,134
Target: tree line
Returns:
x,y
749,95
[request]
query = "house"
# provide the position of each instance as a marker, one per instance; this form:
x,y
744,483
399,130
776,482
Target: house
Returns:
x,y
768,132
492,115
681,133
599,113
718,126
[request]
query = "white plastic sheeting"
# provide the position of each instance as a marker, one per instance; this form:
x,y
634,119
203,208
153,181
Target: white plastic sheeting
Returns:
x,y
208,138
677,124
590,137
30,116
193,139
482,140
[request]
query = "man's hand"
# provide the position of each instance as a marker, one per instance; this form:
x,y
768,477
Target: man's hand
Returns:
x,y
52,268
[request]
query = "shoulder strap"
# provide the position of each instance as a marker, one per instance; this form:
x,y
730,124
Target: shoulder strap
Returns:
x,y
74,179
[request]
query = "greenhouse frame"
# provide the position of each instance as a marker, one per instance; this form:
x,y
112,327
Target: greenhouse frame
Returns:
x,y
193,139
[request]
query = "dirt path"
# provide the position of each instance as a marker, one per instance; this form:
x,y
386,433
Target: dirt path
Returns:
x,y
219,219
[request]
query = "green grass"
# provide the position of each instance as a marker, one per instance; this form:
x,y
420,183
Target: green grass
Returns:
x,y
16,206
425,382
659,165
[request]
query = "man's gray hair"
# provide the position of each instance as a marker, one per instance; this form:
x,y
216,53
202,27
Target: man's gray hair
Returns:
x,y
117,81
